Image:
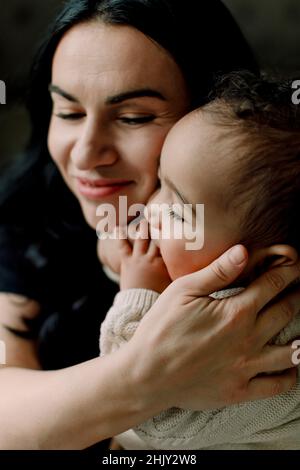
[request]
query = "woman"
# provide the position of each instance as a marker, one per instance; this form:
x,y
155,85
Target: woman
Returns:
x,y
120,74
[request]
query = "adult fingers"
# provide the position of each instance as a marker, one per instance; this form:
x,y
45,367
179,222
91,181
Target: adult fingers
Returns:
x,y
219,274
271,385
273,359
268,285
274,318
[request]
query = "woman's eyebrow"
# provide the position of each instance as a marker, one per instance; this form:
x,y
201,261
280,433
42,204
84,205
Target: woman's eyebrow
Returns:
x,y
115,99
128,95
56,89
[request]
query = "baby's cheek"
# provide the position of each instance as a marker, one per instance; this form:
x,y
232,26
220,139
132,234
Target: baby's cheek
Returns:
x,y
177,259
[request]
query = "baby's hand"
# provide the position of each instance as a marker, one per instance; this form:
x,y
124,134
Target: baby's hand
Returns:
x,y
141,264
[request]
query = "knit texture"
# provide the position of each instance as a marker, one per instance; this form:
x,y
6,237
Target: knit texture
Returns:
x,y
272,423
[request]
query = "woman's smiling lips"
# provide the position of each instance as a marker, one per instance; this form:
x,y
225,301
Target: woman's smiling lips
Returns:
x,y
95,189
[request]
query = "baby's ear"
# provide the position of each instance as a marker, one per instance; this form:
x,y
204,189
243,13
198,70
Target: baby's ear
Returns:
x,y
262,259
280,255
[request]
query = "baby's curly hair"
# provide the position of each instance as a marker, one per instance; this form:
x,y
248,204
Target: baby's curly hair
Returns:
x,y
261,124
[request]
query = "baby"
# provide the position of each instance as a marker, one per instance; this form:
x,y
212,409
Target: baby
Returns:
x,y
239,155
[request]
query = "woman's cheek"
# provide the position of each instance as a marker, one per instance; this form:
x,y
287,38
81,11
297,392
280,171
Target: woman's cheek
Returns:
x,y
59,144
55,145
141,155
146,151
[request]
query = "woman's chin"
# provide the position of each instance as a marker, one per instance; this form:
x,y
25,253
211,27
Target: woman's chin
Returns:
x,y
89,214
101,221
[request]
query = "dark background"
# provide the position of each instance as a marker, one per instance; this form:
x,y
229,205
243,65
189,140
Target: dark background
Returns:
x,y
271,26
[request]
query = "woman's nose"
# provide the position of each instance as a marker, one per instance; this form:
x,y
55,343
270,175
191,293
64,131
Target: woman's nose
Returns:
x,y
94,147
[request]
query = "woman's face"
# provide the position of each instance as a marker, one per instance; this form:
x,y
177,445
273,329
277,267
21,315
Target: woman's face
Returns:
x,y
115,96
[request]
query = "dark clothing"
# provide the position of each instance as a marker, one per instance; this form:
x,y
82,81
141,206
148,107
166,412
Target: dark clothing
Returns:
x,y
48,253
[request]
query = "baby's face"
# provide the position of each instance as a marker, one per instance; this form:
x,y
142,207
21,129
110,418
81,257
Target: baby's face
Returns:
x,y
193,171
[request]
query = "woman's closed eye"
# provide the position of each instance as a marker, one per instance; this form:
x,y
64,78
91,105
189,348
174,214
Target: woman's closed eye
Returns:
x,y
70,116
128,120
136,120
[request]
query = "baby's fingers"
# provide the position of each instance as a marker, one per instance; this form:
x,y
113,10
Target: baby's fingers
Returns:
x,y
153,250
141,242
121,241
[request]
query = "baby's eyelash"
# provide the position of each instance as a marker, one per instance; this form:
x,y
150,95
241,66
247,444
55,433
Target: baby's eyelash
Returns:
x,y
174,215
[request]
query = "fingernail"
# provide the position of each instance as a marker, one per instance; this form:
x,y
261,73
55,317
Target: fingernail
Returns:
x,y
237,255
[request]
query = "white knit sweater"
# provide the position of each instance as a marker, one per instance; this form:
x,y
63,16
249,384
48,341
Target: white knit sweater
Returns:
x,y
272,423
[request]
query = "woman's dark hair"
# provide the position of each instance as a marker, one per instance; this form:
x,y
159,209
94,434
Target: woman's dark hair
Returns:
x,y
201,36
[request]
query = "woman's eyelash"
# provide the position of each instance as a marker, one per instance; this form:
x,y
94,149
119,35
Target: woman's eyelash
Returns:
x,y
137,120
126,120
174,215
71,116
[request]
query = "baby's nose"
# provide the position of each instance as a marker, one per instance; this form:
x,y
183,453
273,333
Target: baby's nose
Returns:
x,y
152,214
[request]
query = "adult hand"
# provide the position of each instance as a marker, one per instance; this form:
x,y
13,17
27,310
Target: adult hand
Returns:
x,y
195,352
